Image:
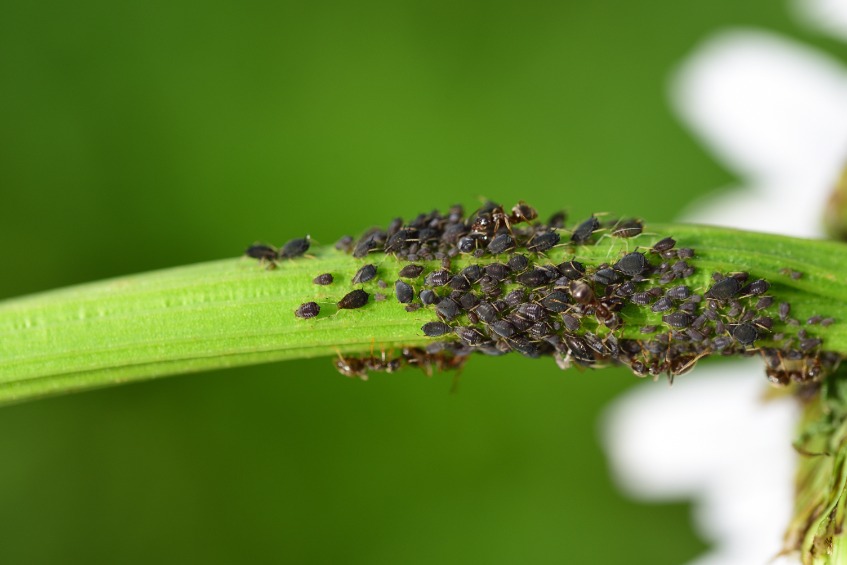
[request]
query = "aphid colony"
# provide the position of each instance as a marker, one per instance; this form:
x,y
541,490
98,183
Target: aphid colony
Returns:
x,y
518,300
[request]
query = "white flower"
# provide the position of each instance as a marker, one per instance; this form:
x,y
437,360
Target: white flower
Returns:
x,y
775,112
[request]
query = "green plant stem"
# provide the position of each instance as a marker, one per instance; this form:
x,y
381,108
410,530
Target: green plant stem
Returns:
x,y
235,312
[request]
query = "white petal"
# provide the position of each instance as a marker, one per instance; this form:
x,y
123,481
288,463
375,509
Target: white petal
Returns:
x,y
829,16
771,108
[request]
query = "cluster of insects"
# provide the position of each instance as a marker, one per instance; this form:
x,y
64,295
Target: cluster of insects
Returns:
x,y
507,296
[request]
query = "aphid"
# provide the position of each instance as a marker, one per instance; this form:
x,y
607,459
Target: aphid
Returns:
x,y
364,274
687,272
323,279
503,328
307,310
809,343
764,302
667,278
641,298
497,271
294,248
437,278
469,335
632,264
582,234
489,286
573,270
345,244
531,311
381,284
428,297
411,271
459,283
399,239
533,278
524,346
447,308
501,244
628,228
662,305
413,307
626,289
515,298
755,288
379,297
435,329
261,252
521,323
695,335
679,267
663,245
353,299
581,292
699,322
796,275
468,300
745,334
472,273
685,253
556,301
678,319
648,329
763,322
724,289
579,349
557,220
518,263
543,242
466,245
741,276
826,322
487,312
606,276
680,292
689,307
814,320
784,310
403,291
721,342
571,322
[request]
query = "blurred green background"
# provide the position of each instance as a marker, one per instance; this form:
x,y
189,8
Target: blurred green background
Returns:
x,y
142,135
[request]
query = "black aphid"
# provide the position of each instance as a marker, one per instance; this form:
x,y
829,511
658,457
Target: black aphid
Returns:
x,y
572,269
664,245
352,300
667,278
689,307
583,232
323,279
379,297
497,271
411,271
447,308
404,292
261,252
307,310
470,335
501,244
531,311
641,298
685,253
438,278
628,228
579,349
460,283
503,328
571,322
364,274
381,284
662,305
827,322
809,344
518,263
606,276
680,292
764,322
784,310
428,297
745,334
515,298
648,329
487,312
468,300
413,307
466,245
741,276
557,220
533,278
435,329
695,335
755,288
472,273
543,242
632,264
724,289
345,244
764,302
678,319
556,301
294,248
